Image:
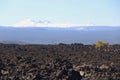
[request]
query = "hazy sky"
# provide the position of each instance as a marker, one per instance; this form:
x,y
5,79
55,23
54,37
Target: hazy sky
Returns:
x,y
99,12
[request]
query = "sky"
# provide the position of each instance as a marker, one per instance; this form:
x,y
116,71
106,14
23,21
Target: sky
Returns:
x,y
98,12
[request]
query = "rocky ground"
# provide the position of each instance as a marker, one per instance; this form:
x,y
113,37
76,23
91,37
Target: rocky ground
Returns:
x,y
59,62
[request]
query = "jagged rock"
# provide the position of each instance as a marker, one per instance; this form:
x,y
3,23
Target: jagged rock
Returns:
x,y
59,62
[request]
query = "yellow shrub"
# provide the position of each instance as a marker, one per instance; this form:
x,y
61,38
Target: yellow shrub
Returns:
x,y
100,44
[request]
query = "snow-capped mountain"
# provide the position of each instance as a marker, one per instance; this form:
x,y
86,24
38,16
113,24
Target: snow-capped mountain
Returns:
x,y
31,23
45,23
45,32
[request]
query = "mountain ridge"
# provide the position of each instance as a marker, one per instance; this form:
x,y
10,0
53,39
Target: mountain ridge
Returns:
x,y
38,35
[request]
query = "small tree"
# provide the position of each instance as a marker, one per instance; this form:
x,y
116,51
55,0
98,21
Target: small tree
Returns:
x,y
100,44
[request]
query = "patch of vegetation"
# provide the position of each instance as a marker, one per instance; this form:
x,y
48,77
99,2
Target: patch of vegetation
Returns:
x,y
100,44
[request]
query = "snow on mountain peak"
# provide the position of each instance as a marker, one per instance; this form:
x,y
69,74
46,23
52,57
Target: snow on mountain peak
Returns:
x,y
29,22
45,23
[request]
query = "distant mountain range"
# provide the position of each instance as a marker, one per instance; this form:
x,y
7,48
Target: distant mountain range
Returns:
x,y
44,23
87,28
53,35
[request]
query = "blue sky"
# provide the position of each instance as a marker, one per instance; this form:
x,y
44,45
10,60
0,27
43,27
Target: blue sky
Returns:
x,y
99,12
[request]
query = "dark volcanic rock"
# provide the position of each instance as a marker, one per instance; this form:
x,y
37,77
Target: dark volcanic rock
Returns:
x,y
59,62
